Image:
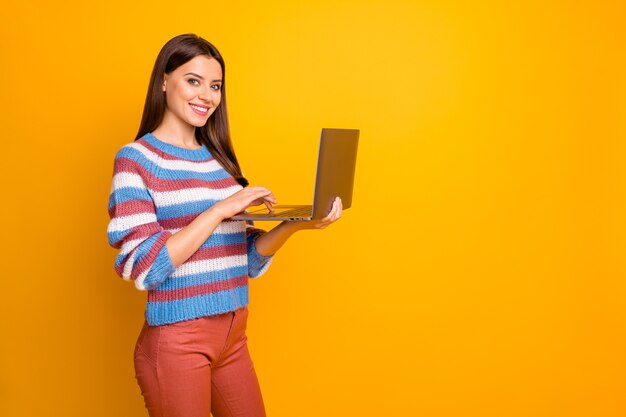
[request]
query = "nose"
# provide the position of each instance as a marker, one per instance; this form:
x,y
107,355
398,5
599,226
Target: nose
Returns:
x,y
206,94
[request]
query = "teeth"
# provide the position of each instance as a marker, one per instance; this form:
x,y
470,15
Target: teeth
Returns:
x,y
202,109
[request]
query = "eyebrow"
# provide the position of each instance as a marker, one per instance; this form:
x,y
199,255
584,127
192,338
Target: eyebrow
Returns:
x,y
201,77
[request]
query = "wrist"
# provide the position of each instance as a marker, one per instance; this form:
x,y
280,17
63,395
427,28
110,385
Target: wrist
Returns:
x,y
216,211
292,226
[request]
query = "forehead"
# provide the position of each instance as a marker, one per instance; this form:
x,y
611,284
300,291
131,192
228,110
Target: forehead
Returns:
x,y
206,67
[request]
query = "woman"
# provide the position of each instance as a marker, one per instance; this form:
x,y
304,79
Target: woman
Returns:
x,y
174,189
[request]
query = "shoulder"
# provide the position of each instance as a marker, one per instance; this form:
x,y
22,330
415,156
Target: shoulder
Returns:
x,y
136,157
138,151
134,150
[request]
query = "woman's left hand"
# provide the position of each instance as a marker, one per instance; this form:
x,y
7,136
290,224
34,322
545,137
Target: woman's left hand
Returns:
x,y
268,243
334,215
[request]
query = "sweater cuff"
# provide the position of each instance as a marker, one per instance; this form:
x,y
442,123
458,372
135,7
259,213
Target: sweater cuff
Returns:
x,y
161,269
257,263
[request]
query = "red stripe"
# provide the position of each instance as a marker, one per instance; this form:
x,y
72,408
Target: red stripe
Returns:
x,y
155,296
161,184
131,207
178,222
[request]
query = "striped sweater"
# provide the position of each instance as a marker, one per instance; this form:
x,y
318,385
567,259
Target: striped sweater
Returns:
x,y
157,189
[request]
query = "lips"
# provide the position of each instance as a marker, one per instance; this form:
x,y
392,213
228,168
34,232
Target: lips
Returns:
x,y
200,110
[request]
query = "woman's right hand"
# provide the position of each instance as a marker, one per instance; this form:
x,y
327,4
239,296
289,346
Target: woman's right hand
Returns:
x,y
242,199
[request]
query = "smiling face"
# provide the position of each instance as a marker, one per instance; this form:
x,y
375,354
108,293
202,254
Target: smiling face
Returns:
x,y
194,90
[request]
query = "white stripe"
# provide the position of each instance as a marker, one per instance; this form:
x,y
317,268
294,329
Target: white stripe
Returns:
x,y
177,164
209,265
118,224
128,266
221,229
129,245
229,228
127,179
224,228
188,195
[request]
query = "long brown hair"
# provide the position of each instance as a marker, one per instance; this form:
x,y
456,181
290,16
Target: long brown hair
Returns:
x,y
215,134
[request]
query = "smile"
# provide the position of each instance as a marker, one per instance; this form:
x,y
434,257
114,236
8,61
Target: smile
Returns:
x,y
202,111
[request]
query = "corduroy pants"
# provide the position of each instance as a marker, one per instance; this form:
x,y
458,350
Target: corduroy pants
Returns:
x,y
196,367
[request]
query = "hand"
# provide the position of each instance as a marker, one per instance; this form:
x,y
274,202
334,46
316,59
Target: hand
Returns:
x,y
334,215
242,199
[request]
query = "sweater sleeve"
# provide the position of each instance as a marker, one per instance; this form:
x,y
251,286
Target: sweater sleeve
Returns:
x,y
133,226
257,264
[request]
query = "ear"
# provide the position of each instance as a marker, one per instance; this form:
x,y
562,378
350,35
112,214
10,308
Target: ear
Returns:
x,y
164,83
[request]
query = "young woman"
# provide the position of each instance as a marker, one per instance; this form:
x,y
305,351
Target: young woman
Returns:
x,y
174,189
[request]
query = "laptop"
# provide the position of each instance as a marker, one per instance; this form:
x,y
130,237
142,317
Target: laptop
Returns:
x,y
336,162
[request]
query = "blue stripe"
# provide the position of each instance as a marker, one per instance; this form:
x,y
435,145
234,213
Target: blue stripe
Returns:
x,y
161,268
184,209
128,193
197,306
179,174
219,239
201,154
119,235
120,258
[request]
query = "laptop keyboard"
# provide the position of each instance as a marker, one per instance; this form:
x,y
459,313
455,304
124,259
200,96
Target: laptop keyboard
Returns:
x,y
297,212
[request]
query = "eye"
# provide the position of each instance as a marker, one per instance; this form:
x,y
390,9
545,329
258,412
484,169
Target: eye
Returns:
x,y
216,87
192,81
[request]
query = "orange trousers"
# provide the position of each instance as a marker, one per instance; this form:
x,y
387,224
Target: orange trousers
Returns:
x,y
197,367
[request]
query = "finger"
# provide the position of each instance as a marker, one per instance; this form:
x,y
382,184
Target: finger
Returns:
x,y
262,193
329,216
270,197
268,204
258,191
336,209
335,213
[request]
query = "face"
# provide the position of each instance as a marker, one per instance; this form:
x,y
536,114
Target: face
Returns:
x,y
194,90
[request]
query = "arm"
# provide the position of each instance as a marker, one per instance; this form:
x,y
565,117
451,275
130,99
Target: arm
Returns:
x,y
133,228
268,243
187,240
184,243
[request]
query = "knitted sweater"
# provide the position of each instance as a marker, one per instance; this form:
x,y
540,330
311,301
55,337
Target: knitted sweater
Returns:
x,y
157,189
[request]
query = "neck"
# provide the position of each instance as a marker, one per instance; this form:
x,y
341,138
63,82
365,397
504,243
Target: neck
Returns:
x,y
176,132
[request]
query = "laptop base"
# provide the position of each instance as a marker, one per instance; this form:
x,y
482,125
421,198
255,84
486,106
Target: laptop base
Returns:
x,y
280,213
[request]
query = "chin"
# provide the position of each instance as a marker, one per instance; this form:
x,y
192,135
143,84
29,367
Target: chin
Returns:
x,y
197,122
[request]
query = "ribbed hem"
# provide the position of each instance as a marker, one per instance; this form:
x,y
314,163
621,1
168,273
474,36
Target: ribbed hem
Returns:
x,y
200,154
158,313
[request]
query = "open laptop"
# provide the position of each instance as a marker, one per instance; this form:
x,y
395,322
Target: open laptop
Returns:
x,y
335,178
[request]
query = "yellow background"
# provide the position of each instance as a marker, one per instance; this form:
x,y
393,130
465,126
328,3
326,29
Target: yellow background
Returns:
x,y
480,271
